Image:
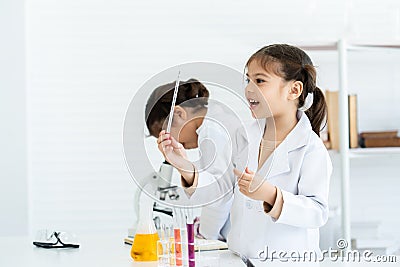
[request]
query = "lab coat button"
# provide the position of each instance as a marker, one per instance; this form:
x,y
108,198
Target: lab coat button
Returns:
x,y
249,205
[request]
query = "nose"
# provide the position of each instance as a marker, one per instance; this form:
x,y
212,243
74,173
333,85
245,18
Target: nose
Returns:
x,y
250,87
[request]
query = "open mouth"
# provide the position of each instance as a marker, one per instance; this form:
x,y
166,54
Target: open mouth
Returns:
x,y
253,103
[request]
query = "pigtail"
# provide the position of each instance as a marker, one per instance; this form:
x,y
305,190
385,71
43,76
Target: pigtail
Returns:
x,y
318,110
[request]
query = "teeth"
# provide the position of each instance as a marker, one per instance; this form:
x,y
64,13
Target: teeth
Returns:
x,y
252,101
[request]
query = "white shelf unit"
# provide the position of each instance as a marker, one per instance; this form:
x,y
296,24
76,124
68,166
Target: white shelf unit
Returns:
x,y
376,152
342,47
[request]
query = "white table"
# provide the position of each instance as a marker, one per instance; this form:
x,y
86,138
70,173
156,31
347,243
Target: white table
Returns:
x,y
109,250
94,251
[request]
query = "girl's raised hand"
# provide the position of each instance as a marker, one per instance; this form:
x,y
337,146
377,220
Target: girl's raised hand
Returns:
x,y
172,150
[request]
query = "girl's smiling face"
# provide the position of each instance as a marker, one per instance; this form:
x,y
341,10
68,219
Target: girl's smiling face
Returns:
x,y
267,93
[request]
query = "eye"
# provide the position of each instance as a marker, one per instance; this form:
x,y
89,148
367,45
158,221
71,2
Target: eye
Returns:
x,y
259,81
247,80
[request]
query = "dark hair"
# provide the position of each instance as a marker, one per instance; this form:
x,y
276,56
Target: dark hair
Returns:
x,y
159,103
292,63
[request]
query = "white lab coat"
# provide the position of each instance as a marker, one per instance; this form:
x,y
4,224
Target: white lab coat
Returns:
x,y
301,167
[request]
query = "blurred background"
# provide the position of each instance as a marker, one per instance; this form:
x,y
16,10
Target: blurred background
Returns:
x,y
68,70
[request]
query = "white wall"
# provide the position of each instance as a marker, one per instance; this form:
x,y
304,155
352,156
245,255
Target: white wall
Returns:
x,y
13,145
86,59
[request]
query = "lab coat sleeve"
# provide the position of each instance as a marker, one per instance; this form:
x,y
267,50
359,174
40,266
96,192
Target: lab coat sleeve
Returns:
x,y
275,210
215,169
309,208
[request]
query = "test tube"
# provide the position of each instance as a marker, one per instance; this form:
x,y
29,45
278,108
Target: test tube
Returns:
x,y
171,245
184,238
190,234
163,250
177,238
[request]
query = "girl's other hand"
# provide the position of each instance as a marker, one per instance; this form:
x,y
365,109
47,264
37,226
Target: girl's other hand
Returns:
x,y
252,185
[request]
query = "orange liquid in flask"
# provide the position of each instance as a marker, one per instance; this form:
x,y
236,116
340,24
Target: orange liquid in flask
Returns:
x,y
144,247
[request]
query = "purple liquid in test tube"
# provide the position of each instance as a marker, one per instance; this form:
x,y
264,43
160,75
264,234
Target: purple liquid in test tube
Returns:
x,y
190,232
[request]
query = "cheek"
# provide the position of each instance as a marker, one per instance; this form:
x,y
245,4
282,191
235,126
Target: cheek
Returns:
x,y
272,102
277,92
175,133
187,133
268,98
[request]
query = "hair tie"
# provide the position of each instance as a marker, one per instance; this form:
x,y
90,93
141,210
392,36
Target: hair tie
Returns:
x,y
307,102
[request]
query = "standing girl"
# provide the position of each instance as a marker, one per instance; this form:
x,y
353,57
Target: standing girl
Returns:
x,y
283,167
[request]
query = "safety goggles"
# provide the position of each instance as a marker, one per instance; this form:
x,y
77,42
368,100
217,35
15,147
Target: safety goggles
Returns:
x,y
54,239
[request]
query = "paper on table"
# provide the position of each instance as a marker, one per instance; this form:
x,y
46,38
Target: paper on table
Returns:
x,y
202,244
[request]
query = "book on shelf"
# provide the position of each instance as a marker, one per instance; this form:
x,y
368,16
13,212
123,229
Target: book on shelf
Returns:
x,y
353,128
380,134
380,139
332,101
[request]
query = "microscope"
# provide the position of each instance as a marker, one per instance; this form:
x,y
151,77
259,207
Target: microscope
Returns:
x,y
158,185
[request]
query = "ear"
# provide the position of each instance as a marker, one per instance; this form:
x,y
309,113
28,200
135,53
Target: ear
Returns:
x,y
180,114
295,90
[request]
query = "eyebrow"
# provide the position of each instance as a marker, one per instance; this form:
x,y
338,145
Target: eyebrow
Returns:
x,y
259,74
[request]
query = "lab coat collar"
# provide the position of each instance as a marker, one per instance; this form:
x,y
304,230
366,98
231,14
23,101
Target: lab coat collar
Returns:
x,y
300,134
278,162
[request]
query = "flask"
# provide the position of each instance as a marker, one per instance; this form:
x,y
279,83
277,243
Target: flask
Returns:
x,y
144,247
